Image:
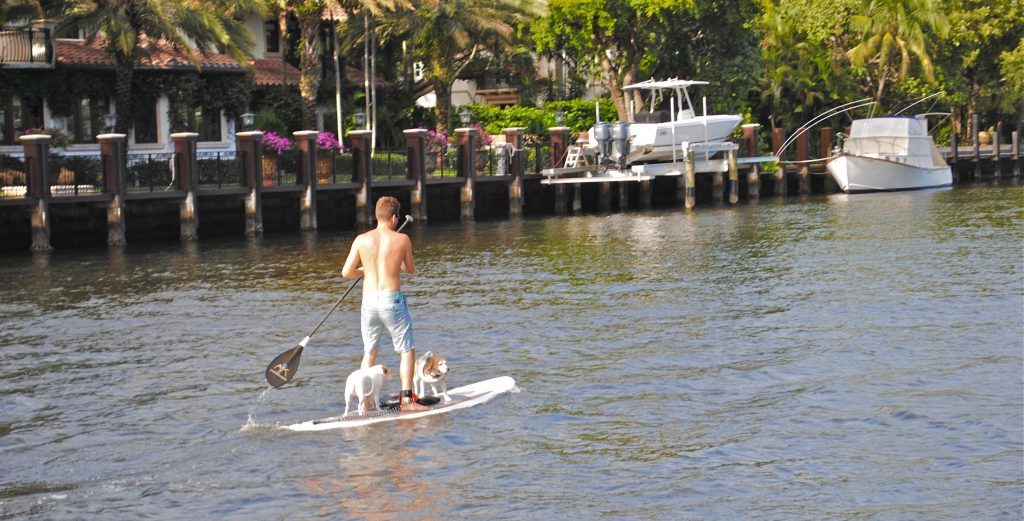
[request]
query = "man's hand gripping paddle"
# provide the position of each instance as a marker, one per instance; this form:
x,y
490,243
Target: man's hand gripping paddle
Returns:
x,y
283,368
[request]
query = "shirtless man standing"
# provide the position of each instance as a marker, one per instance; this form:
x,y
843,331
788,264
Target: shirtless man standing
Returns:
x,y
384,254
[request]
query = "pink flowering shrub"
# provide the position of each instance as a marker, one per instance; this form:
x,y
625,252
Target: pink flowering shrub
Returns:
x,y
437,141
328,142
276,143
485,138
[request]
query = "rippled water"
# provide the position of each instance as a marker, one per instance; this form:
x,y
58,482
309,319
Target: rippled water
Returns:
x,y
830,357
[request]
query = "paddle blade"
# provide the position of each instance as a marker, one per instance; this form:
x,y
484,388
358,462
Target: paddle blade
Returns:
x,y
284,367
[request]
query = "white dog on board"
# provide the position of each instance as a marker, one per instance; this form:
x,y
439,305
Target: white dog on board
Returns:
x,y
366,384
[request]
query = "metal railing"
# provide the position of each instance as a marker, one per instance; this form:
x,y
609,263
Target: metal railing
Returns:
x,y
75,175
537,157
487,160
442,163
391,163
335,167
13,177
150,172
218,169
281,169
26,46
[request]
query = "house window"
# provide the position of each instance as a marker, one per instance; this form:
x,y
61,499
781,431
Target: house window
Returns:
x,y
144,121
207,124
18,115
272,30
87,119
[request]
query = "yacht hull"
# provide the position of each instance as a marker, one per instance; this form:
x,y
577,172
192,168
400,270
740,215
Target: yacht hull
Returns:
x,y
854,173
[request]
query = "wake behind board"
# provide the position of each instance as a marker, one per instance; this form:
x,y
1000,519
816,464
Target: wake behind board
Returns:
x,y
462,398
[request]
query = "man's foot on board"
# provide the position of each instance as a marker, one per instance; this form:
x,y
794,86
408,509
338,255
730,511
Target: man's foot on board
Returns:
x,y
411,403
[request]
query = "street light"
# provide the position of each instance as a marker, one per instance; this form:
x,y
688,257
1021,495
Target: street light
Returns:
x,y
559,117
247,120
109,122
360,118
465,115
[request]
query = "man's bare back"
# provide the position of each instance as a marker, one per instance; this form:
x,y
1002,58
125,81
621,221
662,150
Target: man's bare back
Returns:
x,y
383,254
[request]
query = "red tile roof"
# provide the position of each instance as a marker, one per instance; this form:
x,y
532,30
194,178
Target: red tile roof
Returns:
x,y
274,72
159,55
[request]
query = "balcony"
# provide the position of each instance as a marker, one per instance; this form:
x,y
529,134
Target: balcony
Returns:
x,y
25,48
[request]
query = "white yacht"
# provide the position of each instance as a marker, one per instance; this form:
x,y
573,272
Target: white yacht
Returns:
x,y
889,154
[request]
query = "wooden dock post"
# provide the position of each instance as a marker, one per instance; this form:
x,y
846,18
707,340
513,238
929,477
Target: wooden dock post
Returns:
x,y
559,145
604,197
577,198
467,139
186,169
779,137
976,146
114,156
305,141
359,141
516,165
623,197
996,149
645,194
750,140
250,151
954,158
826,152
561,199
734,177
1015,138
803,145
37,160
717,187
691,180
415,145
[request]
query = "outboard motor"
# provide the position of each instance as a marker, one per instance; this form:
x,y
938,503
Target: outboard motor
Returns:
x,y
603,137
620,142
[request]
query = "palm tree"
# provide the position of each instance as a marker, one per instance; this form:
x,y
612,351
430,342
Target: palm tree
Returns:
x,y
892,34
124,25
448,34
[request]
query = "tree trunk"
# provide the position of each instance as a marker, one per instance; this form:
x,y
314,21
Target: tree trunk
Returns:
x,y
123,98
443,107
614,86
309,63
637,96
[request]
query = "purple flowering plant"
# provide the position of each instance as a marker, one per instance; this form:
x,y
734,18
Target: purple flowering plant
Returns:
x,y
327,141
276,143
485,138
437,141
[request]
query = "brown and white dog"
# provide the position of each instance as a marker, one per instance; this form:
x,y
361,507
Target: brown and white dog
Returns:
x,y
366,384
431,369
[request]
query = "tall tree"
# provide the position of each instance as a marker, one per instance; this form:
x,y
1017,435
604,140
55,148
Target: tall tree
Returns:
x,y
893,33
621,36
124,25
447,34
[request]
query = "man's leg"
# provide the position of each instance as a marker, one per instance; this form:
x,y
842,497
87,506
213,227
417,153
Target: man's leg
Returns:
x,y
369,359
406,370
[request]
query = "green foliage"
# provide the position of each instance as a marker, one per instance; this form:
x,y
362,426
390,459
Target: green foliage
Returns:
x,y
578,115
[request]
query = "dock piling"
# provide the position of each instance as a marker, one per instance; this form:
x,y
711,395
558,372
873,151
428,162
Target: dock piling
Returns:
x,y
802,156
779,185
750,141
363,162
305,141
690,180
37,160
113,157
415,144
467,139
250,150
186,171
514,139
1015,138
734,177
976,143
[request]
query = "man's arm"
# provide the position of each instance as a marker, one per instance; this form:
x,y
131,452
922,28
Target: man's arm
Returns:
x,y
407,262
352,263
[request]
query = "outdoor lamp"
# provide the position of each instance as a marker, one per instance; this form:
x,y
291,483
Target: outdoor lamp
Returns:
x,y
109,122
465,116
360,118
247,120
559,117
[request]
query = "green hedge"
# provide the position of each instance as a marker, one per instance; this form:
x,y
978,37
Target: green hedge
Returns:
x,y
579,116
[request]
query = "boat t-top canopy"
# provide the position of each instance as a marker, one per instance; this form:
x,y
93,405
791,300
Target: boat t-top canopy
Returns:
x,y
672,83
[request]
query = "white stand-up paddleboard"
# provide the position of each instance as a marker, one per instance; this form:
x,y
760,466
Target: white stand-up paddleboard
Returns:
x,y
461,398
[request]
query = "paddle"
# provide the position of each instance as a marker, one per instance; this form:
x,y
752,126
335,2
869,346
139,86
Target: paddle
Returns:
x,y
283,368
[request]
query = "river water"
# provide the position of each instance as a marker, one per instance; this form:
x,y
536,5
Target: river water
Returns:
x,y
830,357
